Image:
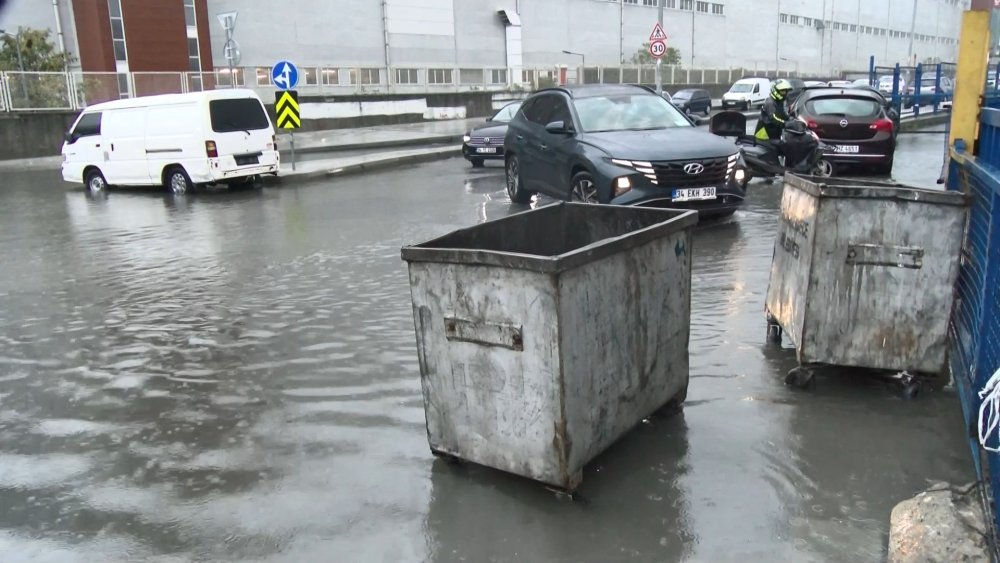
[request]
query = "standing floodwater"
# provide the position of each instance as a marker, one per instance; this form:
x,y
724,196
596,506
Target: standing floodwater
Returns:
x,y
234,376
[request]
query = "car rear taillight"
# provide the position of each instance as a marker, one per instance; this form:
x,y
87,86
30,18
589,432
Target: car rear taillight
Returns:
x,y
211,150
885,125
812,124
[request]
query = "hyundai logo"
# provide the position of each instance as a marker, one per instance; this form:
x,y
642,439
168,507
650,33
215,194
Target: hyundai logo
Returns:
x,y
843,123
486,140
694,168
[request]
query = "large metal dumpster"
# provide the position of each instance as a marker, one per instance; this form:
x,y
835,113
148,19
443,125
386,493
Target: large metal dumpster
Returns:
x,y
544,336
863,273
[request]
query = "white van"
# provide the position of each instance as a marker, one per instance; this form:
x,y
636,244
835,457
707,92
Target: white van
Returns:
x,y
746,93
176,140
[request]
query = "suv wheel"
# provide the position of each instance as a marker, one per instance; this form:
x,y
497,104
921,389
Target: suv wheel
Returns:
x,y
515,187
583,189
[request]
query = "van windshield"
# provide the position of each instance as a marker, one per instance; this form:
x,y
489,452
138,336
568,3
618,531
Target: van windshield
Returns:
x,y
741,87
242,114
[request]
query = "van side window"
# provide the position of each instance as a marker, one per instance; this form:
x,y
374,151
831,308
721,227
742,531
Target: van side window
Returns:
x,y
89,125
756,88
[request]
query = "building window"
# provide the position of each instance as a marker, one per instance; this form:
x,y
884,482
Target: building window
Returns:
x,y
686,4
366,76
189,15
123,90
794,20
330,76
672,4
783,18
881,31
194,56
117,31
263,76
439,76
703,7
406,76
808,22
528,76
309,76
498,76
718,9
470,76
653,3
631,1
854,27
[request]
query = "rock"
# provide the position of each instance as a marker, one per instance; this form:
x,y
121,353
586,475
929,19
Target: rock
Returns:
x,y
942,524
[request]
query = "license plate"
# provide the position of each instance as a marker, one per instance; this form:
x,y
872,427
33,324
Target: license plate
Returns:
x,y
246,160
850,149
486,150
694,194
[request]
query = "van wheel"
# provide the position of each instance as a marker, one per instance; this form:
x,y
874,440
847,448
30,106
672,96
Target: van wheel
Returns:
x,y
95,181
177,181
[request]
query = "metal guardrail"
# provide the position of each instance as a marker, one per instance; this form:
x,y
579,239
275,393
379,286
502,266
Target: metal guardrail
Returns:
x,y
40,91
975,325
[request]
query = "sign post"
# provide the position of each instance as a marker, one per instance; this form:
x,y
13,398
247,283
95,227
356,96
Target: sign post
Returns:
x,y
658,48
230,49
285,77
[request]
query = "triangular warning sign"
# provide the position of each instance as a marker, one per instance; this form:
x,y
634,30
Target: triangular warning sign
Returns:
x,y
657,34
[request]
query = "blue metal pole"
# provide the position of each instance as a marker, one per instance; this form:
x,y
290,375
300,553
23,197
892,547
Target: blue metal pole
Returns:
x,y
871,71
915,98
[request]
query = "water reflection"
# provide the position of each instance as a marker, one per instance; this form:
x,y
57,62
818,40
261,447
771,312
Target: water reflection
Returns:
x,y
478,514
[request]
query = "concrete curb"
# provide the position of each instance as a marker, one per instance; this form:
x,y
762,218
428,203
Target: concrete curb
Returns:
x,y
395,143
362,167
914,123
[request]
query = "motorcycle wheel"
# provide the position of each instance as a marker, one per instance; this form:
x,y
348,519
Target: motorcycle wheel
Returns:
x,y
823,168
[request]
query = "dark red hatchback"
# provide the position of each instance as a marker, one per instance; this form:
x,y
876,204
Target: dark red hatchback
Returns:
x,y
854,122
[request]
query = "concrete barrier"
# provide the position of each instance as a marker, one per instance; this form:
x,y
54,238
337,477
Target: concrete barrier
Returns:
x,y
29,135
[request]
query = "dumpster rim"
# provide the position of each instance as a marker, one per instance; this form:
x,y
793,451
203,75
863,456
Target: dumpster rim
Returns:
x,y
867,189
680,220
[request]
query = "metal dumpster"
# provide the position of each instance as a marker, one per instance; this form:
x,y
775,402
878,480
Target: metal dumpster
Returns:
x,y
863,273
544,336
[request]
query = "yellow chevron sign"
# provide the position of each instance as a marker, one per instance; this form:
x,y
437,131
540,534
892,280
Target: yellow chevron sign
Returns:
x,y
286,106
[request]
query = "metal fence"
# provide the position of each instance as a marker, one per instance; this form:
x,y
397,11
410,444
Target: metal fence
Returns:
x,y
920,89
975,326
39,91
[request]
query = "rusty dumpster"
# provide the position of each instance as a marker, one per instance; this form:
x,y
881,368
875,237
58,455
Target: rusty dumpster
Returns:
x,y
545,336
863,274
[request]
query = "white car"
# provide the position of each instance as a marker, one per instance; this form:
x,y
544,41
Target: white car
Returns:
x,y
174,140
885,85
747,93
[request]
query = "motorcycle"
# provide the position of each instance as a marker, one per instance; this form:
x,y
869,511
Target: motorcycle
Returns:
x,y
808,154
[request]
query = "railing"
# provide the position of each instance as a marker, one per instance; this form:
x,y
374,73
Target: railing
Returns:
x,y
40,91
975,326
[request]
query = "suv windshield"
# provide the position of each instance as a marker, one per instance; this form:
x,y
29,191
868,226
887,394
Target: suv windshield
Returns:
x,y
507,113
843,107
741,88
240,114
627,112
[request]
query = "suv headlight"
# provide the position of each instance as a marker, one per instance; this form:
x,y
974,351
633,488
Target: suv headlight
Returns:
x,y
642,166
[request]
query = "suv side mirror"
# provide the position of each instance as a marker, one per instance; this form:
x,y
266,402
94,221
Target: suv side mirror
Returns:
x,y
559,128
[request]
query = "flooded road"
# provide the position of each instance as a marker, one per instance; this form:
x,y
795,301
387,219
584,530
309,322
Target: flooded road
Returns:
x,y
233,376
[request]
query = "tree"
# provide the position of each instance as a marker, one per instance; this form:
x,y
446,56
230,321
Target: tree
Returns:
x,y
32,51
38,52
642,56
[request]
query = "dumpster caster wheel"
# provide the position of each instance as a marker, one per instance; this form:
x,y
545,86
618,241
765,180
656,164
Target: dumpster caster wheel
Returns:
x,y
774,333
801,377
910,385
447,458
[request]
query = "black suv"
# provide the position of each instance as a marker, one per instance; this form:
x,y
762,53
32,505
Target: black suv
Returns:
x,y
619,144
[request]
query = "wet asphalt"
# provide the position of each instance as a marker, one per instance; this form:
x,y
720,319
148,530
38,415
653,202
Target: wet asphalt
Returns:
x,y
233,376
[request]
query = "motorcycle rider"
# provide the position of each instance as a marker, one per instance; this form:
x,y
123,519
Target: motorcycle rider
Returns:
x,y
774,113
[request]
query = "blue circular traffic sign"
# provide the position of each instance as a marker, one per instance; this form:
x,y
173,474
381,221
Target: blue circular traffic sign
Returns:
x,y
284,75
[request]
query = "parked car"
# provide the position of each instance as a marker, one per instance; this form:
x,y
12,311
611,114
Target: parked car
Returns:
x,y
840,84
861,82
930,91
486,141
816,83
854,121
885,84
747,93
619,144
174,140
693,101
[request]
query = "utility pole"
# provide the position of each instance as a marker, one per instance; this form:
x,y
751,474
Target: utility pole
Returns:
x,y
659,62
777,43
913,30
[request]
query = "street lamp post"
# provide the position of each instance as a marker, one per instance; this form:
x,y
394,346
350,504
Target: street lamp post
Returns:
x,y
583,65
20,59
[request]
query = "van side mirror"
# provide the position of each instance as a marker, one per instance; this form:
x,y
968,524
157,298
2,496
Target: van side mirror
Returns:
x,y
70,137
559,128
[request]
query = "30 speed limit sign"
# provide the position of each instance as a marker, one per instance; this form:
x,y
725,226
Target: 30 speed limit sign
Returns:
x,y
657,48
